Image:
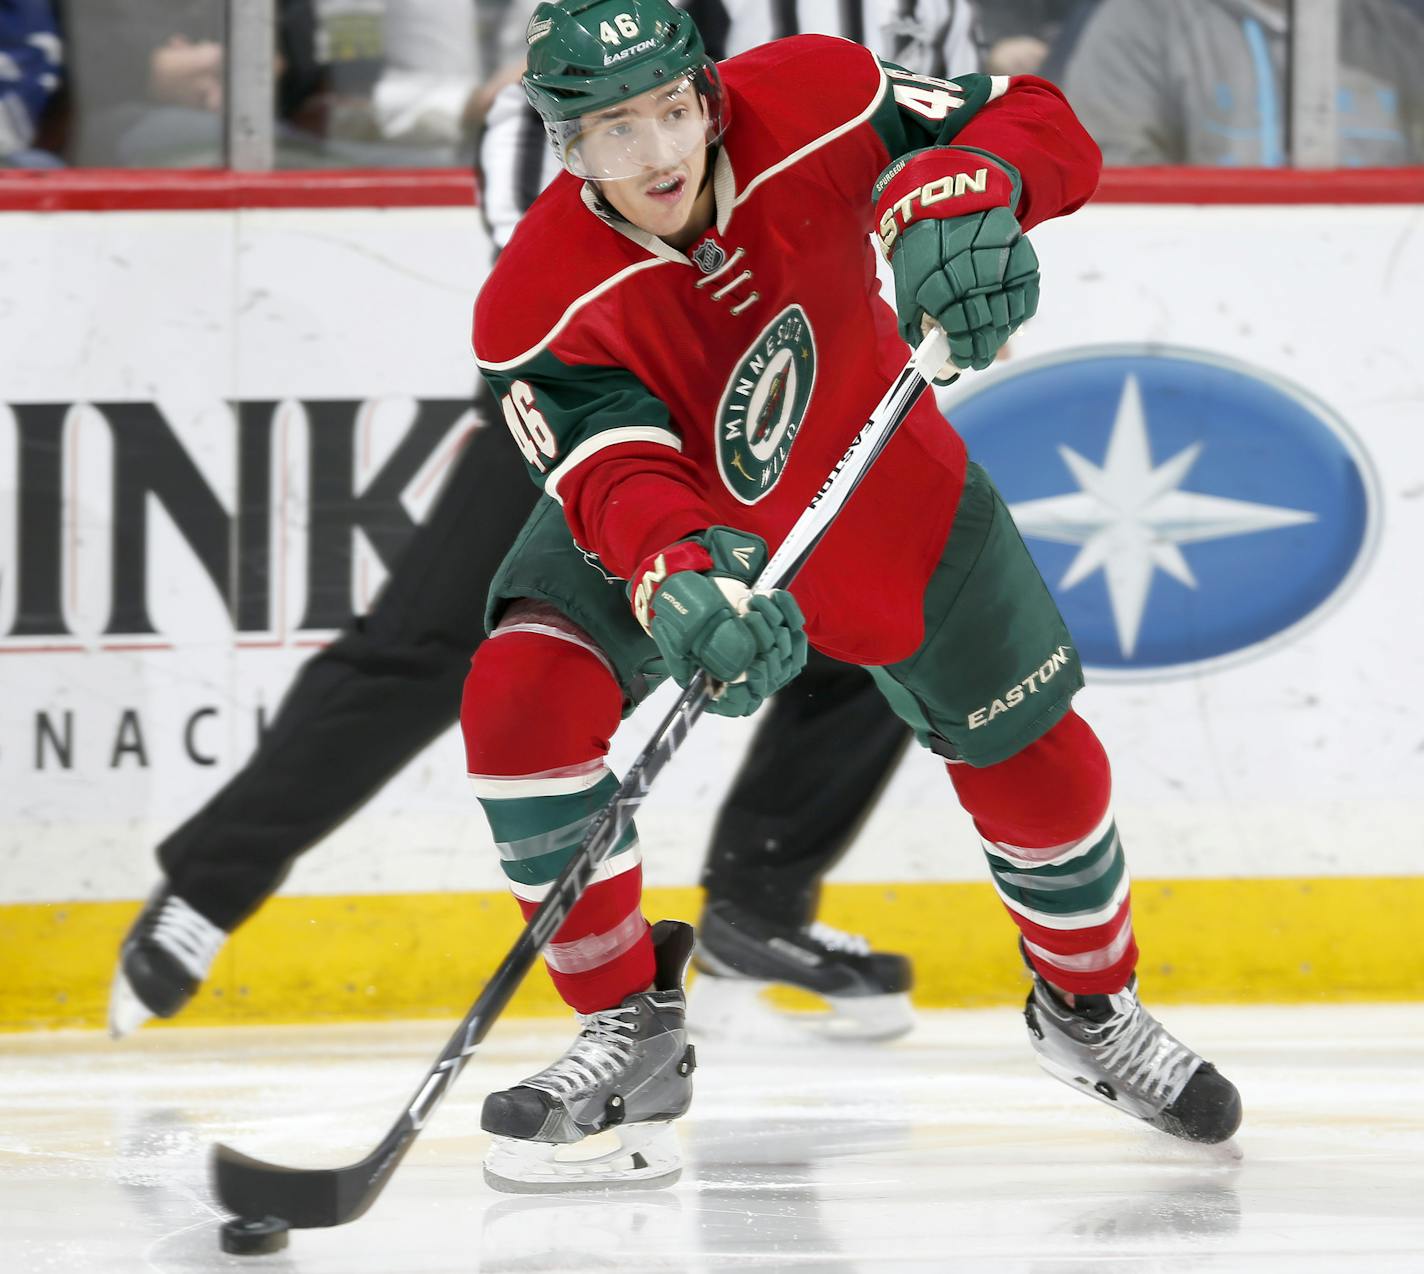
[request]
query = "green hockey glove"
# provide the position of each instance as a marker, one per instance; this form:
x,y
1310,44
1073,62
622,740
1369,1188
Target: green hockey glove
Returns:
x,y
946,224
695,600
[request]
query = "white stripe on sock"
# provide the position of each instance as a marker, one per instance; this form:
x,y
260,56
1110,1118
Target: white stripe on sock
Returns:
x,y
626,860
1086,961
1018,856
596,949
1078,920
562,781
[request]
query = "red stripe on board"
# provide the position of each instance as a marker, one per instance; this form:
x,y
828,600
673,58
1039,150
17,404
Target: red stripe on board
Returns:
x,y
1261,186
114,189
164,190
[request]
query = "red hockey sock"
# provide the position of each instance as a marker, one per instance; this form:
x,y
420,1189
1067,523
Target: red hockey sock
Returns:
x,y
1055,858
603,952
539,709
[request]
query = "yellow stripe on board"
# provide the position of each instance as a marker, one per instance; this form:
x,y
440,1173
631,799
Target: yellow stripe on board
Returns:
x,y
426,955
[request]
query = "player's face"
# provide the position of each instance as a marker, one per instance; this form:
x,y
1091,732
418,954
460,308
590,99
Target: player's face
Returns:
x,y
655,129
649,156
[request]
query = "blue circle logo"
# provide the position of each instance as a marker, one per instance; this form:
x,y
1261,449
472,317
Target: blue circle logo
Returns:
x,y
1186,510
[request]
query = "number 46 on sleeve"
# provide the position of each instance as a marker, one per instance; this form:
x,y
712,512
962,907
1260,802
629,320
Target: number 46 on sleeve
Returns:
x,y
928,97
526,422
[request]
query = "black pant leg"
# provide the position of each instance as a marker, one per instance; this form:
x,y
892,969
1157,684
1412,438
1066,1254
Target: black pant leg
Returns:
x,y
824,749
360,709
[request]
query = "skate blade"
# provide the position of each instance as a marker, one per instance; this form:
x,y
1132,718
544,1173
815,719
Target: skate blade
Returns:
x,y
1082,1084
744,1009
1226,1152
636,1157
126,1011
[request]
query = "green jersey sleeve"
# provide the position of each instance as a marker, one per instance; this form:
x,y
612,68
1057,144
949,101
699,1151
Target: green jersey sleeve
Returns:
x,y
561,414
920,110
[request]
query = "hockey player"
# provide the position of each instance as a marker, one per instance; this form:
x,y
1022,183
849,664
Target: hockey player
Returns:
x,y
360,709
787,820
709,244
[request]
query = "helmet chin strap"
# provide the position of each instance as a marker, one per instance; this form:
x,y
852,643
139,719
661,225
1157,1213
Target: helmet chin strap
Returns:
x,y
710,166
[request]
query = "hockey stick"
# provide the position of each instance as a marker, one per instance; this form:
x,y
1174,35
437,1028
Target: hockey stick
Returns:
x,y
307,1198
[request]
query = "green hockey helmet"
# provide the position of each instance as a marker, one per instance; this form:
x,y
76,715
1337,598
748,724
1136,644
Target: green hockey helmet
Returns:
x,y
623,86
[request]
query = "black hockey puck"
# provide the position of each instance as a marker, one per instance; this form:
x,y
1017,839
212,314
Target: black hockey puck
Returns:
x,y
253,1236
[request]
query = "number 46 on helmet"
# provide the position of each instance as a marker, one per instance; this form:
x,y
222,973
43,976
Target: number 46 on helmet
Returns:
x,y
622,85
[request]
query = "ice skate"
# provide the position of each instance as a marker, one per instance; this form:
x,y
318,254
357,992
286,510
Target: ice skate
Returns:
x,y
164,958
1113,1049
622,1081
741,956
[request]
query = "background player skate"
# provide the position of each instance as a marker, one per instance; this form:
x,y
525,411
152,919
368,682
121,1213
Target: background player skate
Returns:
x,y
715,246
366,705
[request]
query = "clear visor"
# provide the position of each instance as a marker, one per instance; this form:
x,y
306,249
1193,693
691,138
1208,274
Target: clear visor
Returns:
x,y
655,130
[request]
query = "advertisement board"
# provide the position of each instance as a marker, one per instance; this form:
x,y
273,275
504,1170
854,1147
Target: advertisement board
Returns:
x,y
219,428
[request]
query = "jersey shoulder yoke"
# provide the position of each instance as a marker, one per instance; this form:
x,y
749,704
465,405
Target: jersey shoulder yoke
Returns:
x,y
560,258
794,95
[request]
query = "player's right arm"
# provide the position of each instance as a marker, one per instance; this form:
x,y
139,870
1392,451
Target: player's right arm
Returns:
x,y
597,441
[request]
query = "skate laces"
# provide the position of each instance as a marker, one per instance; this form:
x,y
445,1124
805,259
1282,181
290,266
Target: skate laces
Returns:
x,y
1136,1047
191,939
837,939
604,1047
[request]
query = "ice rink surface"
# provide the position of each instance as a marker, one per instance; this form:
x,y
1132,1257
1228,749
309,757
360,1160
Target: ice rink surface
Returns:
x,y
947,1150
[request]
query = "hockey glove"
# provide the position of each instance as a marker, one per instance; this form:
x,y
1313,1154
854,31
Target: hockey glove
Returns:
x,y
945,218
695,599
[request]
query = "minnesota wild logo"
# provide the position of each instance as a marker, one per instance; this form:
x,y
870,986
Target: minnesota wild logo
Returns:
x,y
764,404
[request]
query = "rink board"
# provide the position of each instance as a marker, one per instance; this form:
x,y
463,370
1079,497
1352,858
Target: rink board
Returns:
x,y
155,600
427,955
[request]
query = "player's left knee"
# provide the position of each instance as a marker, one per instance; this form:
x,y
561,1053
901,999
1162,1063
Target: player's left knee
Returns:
x,y
534,701
1055,790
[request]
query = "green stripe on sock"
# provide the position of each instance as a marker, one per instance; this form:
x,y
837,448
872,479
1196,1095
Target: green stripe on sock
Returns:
x,y
516,818
1086,883
541,870
548,830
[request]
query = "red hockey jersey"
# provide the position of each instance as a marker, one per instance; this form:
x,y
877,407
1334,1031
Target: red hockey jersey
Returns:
x,y
655,392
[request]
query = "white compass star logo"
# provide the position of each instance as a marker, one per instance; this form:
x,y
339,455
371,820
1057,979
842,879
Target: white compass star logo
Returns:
x,y
1130,517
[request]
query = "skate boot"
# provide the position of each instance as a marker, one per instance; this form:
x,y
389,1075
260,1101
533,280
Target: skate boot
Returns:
x,y
626,1076
741,955
1113,1049
164,958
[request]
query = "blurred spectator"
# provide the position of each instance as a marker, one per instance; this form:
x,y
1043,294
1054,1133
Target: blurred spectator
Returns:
x,y
329,57
1204,82
1032,37
427,91
30,68
399,82
435,86
148,80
